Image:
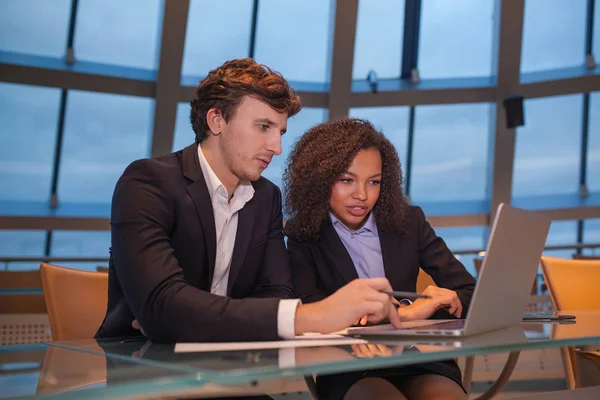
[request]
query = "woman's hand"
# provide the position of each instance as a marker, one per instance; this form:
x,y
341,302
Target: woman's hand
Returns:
x,y
424,308
371,350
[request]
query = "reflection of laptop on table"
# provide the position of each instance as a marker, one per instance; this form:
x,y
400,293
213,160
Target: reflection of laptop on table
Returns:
x,y
516,242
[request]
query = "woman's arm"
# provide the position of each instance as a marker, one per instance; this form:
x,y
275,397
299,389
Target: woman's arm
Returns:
x,y
304,272
437,260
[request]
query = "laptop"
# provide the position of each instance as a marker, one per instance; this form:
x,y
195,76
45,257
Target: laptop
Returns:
x,y
514,249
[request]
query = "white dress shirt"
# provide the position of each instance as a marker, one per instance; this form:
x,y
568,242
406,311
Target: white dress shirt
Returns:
x,y
226,223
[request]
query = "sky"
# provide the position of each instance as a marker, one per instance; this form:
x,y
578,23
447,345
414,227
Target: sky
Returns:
x,y
105,132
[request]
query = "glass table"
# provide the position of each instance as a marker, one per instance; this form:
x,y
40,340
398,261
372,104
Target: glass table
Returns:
x,y
134,368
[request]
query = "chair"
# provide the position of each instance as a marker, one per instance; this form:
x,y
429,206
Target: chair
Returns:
x,y
23,317
572,285
424,280
76,301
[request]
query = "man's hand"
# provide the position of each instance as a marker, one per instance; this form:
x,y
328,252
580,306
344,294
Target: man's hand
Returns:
x,y
359,298
363,321
424,308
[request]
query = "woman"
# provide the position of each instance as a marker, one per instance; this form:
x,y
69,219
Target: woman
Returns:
x,y
349,220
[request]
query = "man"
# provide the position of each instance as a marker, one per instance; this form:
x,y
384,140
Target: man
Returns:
x,y
197,245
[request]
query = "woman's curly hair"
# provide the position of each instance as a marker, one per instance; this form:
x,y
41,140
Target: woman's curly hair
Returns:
x,y
317,160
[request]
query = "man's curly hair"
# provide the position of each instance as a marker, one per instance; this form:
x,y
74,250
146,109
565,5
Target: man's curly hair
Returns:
x,y
226,86
316,162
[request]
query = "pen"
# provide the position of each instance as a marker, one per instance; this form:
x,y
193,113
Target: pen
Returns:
x,y
405,295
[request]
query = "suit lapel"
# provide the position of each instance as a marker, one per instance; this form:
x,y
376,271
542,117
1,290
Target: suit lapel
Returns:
x,y
201,198
242,240
338,253
391,252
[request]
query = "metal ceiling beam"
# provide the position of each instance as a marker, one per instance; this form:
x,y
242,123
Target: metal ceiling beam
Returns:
x,y
342,57
508,32
168,80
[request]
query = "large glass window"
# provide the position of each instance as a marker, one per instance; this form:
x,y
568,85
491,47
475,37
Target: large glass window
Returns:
x,y
296,127
548,147
561,233
379,36
216,32
593,155
299,54
21,244
591,234
456,38
392,122
29,117
35,26
119,32
184,134
465,238
81,244
450,156
553,34
103,134
596,34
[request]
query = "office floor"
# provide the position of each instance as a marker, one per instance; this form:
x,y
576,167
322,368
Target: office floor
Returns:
x,y
537,371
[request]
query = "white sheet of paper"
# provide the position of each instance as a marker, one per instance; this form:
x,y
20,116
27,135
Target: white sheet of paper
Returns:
x,y
309,340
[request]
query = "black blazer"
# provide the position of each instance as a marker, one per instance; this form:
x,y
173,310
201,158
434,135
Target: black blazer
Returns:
x,y
321,267
163,257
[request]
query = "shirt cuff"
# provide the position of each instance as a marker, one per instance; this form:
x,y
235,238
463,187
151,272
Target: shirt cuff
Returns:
x,y
287,357
286,318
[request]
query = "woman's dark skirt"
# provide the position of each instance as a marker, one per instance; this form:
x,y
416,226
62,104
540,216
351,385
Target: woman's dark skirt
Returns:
x,y
333,387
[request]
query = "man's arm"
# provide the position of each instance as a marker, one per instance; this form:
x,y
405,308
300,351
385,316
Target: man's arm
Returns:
x,y
166,306
275,278
359,298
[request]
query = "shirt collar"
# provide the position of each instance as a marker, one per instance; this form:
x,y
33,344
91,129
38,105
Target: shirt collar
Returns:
x,y
244,190
370,225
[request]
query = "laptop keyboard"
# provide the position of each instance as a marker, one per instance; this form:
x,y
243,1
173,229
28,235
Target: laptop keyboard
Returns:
x,y
450,325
